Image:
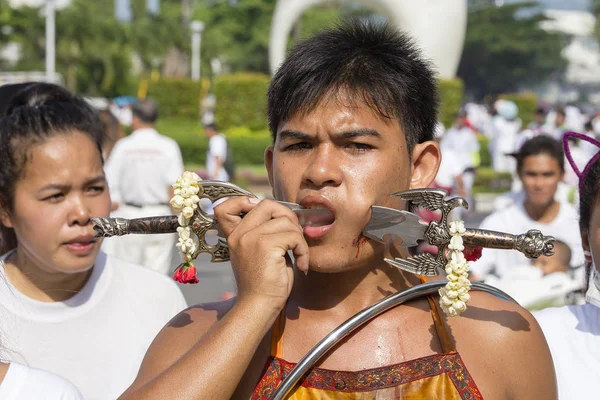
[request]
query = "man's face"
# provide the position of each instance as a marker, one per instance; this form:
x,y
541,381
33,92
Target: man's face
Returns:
x,y
540,175
345,159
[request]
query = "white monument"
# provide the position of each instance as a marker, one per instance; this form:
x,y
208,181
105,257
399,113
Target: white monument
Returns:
x,y
438,27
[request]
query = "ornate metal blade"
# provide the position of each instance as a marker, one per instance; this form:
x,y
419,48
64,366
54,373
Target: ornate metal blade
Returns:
x,y
532,244
388,221
200,222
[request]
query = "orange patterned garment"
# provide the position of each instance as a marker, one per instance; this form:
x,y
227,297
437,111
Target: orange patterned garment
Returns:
x,y
439,376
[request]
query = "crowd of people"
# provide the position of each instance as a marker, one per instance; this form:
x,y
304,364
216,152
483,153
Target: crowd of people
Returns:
x,y
543,194
85,319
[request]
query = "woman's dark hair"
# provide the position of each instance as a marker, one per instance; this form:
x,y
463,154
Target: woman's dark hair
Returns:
x,y
32,114
589,196
374,64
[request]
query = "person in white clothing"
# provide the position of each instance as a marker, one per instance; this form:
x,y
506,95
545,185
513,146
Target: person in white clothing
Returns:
x,y
540,166
66,307
140,171
506,127
460,143
573,332
216,154
20,382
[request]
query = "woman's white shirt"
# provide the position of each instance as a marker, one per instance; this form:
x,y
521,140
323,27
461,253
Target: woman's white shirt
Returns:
x,y
97,338
25,383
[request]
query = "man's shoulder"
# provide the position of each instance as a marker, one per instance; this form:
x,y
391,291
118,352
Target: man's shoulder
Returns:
x,y
198,319
167,140
495,321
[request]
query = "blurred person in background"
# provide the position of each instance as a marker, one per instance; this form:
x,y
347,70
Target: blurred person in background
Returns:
x,y
557,123
113,131
573,332
461,144
140,171
216,154
506,126
543,282
540,167
67,307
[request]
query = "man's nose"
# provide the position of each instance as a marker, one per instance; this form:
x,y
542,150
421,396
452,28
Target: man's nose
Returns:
x,y
324,167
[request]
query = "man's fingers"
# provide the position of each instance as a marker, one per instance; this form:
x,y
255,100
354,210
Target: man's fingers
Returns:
x,y
257,215
228,213
282,242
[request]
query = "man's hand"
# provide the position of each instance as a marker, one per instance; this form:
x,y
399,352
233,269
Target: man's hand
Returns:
x,y
258,246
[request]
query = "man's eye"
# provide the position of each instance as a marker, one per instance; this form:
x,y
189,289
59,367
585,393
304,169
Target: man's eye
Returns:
x,y
359,146
54,198
298,146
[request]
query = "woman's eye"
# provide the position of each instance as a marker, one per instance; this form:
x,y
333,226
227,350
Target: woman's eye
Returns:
x,y
97,189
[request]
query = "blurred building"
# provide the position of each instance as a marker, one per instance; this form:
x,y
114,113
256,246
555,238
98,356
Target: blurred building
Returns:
x,y
581,82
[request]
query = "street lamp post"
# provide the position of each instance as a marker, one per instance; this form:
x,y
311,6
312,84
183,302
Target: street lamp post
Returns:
x,y
50,40
197,28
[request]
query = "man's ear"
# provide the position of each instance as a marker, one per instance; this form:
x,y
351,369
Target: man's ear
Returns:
x,y
426,158
269,166
585,243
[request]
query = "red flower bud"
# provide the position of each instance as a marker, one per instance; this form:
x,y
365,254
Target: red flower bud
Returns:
x,y
472,253
189,274
185,273
178,274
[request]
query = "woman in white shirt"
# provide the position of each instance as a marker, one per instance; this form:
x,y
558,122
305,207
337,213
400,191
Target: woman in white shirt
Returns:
x,y
573,332
66,307
19,382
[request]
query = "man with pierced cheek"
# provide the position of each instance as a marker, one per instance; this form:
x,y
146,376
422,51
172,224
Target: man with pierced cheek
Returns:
x,y
352,113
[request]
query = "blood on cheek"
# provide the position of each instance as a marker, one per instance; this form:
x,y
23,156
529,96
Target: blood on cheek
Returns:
x,y
359,241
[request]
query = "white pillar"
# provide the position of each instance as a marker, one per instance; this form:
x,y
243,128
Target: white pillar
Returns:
x,y
50,40
437,26
197,28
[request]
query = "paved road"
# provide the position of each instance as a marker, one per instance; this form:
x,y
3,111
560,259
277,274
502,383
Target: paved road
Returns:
x,y
217,278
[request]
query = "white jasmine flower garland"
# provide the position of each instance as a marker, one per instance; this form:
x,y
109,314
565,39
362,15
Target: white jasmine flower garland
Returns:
x,y
185,199
455,295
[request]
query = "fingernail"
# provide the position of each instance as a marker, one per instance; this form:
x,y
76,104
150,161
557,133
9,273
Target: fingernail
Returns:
x,y
254,200
306,273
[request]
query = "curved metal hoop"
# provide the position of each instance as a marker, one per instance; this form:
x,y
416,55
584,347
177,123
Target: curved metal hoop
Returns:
x,y
360,319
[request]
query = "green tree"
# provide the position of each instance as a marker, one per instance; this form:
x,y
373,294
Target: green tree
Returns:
x,y
236,32
92,51
152,36
595,8
505,49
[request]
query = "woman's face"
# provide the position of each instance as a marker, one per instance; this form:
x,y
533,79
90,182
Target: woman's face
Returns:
x,y
61,188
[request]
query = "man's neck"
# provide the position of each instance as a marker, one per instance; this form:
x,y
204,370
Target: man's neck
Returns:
x,y
350,291
139,126
38,284
542,214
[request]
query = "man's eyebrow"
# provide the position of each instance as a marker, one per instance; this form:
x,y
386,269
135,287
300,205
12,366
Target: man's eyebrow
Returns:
x,y
360,132
291,134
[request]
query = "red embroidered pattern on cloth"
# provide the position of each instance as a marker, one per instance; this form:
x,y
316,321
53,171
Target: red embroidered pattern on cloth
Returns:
x,y
372,379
